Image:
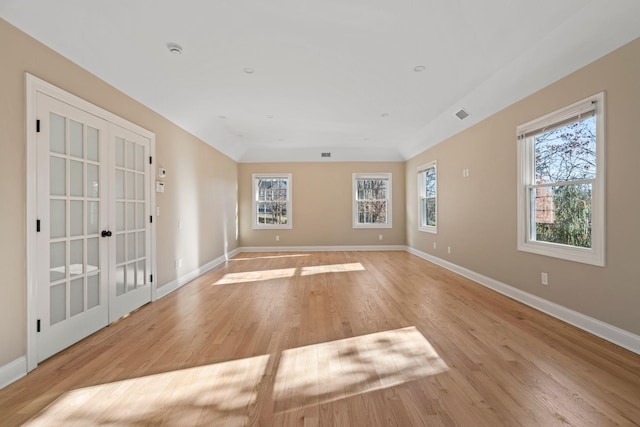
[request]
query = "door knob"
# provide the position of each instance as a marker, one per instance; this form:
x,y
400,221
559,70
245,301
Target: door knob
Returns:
x,y
106,233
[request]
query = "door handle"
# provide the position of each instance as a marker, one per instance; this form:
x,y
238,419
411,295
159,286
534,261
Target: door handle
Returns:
x,y
106,233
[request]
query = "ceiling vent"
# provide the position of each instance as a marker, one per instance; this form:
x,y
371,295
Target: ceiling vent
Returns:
x,y
462,114
325,155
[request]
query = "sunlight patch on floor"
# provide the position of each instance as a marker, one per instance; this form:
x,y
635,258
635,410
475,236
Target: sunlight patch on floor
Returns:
x,y
336,268
268,257
216,394
256,276
334,370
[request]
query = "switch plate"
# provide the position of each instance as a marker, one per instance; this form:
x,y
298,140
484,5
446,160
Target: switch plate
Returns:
x,y
544,279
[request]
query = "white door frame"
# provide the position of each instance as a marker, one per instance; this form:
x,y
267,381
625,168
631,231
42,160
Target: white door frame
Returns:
x,y
33,86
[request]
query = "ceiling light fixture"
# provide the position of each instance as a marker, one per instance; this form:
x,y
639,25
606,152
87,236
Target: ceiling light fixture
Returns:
x,y
222,117
174,49
270,116
419,68
384,115
249,70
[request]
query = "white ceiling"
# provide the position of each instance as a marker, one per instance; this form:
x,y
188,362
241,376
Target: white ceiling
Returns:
x,y
327,71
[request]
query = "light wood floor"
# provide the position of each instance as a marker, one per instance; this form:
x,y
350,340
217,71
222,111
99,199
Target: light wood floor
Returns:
x,y
340,338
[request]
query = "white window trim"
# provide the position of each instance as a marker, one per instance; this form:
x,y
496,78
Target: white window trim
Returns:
x,y
595,255
254,203
422,169
354,189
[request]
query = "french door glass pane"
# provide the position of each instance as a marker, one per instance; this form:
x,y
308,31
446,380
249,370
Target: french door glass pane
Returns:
x,y
93,254
131,276
139,158
58,303
93,144
119,152
57,261
140,216
93,188
93,291
119,216
131,216
131,186
119,184
120,251
76,297
120,280
93,217
76,256
58,218
76,181
130,155
57,176
76,148
141,274
57,133
131,246
76,222
140,186
141,245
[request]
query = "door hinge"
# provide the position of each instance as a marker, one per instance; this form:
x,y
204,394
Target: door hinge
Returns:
x,y
151,278
150,160
37,226
151,219
38,326
37,125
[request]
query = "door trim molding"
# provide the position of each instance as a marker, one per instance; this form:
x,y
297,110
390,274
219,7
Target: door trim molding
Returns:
x,y
35,85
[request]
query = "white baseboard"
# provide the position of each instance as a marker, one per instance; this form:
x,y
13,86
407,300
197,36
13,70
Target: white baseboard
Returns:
x,y
165,290
322,248
13,371
601,329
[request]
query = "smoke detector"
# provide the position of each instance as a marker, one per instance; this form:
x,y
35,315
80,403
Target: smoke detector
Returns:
x,y
174,49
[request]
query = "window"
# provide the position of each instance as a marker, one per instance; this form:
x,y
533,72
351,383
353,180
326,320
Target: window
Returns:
x,y
561,201
272,201
372,200
428,198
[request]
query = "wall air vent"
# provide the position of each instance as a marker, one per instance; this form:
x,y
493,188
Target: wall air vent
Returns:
x,y
325,155
462,114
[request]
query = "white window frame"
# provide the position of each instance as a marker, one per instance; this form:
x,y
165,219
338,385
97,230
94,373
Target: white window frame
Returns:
x,y
422,171
254,216
371,176
526,179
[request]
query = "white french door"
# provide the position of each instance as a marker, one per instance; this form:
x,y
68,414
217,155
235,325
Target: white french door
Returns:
x,y
129,207
93,210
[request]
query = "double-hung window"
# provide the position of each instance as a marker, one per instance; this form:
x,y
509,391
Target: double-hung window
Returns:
x,y
372,200
428,198
272,201
561,188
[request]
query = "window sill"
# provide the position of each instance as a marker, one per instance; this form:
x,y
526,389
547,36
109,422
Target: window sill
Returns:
x,y
568,253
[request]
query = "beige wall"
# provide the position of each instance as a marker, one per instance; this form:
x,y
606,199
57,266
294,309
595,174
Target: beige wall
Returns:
x,y
321,205
477,215
200,183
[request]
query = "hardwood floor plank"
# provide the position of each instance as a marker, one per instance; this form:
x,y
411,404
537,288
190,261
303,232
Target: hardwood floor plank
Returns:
x,y
332,339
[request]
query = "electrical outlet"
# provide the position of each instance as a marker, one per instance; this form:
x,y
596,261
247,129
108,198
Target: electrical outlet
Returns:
x,y
434,245
179,225
178,262
277,238
448,249
544,279
379,236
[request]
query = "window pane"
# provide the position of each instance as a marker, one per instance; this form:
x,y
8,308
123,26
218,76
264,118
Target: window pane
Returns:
x,y
372,212
563,214
428,212
566,153
430,182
